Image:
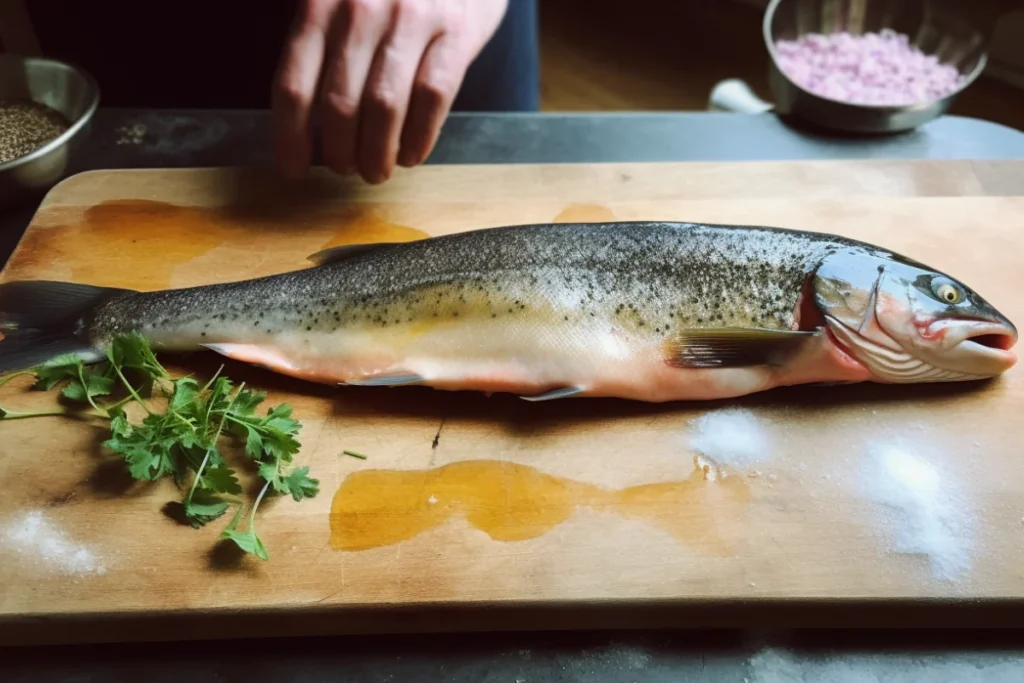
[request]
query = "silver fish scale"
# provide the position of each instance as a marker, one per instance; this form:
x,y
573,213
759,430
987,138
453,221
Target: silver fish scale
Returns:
x,y
661,276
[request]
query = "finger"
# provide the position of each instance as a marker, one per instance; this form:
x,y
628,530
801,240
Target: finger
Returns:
x,y
437,83
361,24
295,87
390,87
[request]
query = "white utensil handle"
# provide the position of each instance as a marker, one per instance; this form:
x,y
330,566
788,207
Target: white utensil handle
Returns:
x,y
736,96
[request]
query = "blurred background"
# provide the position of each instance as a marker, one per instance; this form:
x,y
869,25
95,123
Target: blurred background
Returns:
x,y
596,55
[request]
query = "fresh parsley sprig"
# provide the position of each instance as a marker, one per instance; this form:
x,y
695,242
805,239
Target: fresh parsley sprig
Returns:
x,y
182,440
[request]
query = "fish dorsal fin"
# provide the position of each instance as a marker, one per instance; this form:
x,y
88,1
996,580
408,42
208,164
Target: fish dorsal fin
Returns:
x,y
733,347
335,254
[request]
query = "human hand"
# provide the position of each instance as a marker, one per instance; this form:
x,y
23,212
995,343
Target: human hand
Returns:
x,y
381,74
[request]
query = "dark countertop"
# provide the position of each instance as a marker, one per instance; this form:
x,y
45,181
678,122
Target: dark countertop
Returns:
x,y
210,138
190,138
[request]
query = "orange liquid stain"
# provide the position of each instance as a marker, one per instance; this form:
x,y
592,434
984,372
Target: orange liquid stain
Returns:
x,y
514,502
584,213
368,228
139,243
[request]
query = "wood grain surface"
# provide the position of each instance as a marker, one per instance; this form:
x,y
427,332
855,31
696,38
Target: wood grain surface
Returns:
x,y
470,504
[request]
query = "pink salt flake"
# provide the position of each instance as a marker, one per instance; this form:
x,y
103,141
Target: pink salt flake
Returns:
x,y
881,69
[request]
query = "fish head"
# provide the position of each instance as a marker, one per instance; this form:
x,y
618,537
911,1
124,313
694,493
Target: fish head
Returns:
x,y
907,322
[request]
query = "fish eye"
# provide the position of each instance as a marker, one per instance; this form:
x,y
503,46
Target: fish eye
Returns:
x,y
947,292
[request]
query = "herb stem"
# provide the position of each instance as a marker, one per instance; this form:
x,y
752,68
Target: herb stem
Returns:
x,y
118,404
85,389
10,415
354,454
252,513
7,378
131,390
213,443
212,380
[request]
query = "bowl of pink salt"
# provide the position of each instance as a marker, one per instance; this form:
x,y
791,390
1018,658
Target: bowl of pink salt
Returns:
x,y
869,66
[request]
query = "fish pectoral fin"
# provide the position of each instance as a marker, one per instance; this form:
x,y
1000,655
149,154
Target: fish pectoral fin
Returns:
x,y
564,392
334,254
387,379
733,347
262,356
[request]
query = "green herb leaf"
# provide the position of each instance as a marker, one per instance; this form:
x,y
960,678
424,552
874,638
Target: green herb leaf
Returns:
x,y
248,541
182,441
221,479
203,508
185,393
253,442
301,485
51,373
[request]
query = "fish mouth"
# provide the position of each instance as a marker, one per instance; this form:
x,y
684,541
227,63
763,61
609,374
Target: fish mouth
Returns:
x,y
980,347
998,338
996,335
990,343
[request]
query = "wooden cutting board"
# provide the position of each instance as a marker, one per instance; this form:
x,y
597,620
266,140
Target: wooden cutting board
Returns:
x,y
490,513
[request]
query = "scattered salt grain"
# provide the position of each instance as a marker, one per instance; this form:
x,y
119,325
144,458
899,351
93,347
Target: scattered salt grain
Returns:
x,y
32,535
708,468
873,69
731,437
132,136
432,500
925,518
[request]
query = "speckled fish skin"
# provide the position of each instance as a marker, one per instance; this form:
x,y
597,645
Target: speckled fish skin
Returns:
x,y
589,309
527,309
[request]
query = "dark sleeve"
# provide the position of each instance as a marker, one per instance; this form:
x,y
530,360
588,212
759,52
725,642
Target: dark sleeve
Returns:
x,y
505,76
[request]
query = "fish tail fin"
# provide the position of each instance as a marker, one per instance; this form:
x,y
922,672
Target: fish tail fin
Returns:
x,y
43,319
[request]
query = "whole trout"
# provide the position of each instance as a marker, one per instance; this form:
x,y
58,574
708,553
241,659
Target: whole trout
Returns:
x,y
650,311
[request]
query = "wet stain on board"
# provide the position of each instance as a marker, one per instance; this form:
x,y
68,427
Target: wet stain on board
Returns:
x,y
139,244
515,502
584,213
369,228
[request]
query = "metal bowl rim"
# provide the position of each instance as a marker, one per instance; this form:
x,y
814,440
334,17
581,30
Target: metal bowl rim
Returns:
x,y
76,125
766,25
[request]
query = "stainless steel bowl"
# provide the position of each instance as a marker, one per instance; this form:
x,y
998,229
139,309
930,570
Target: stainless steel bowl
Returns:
x,y
66,88
931,27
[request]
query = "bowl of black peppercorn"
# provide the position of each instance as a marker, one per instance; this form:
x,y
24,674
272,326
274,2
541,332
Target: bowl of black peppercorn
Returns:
x,y
46,108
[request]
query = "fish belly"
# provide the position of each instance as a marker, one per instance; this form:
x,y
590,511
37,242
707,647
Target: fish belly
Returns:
x,y
523,357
